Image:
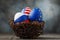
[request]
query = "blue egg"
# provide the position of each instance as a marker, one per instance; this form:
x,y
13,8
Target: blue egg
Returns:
x,y
35,15
21,19
41,17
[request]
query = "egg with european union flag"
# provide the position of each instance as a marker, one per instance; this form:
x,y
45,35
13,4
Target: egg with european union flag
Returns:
x,y
20,17
35,15
41,17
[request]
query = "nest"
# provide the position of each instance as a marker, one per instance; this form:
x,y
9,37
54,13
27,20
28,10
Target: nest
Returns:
x,y
27,30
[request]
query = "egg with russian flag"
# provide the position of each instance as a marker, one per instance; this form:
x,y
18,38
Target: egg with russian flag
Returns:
x,y
20,17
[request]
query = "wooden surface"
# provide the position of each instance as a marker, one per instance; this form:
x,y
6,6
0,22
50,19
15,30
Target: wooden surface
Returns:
x,y
41,37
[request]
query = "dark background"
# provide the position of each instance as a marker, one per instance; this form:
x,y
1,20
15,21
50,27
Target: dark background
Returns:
x,y
49,8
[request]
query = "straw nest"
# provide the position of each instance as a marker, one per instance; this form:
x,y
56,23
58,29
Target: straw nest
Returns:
x,y
27,30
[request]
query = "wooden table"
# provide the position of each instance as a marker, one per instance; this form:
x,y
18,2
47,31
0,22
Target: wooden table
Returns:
x,y
41,37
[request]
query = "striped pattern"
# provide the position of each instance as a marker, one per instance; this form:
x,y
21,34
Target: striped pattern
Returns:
x,y
27,10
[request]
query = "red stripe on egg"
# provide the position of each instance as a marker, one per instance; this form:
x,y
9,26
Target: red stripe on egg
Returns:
x,y
27,10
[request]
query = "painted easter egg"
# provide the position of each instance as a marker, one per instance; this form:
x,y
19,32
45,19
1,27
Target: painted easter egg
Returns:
x,y
19,17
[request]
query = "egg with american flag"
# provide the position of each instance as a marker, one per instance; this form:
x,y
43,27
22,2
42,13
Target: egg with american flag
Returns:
x,y
26,10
